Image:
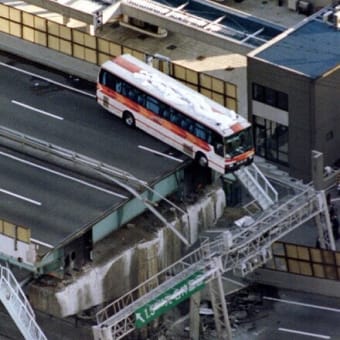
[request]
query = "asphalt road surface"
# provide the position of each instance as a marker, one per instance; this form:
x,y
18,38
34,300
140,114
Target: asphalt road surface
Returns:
x,y
62,111
285,315
65,113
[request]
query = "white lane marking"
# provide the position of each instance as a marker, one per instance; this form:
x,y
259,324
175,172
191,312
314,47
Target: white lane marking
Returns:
x,y
61,175
36,110
160,153
330,309
314,335
20,197
41,243
48,80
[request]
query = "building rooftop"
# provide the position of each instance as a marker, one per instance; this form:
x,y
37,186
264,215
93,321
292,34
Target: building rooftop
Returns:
x,y
212,19
310,48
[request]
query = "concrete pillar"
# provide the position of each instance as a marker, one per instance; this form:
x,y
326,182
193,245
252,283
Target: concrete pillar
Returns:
x,y
147,254
66,20
91,29
317,169
195,302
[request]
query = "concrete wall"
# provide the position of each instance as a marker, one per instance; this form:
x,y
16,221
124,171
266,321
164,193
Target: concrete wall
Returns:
x,y
327,116
296,282
124,260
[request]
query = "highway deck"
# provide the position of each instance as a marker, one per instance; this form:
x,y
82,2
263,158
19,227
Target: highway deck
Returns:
x,y
36,193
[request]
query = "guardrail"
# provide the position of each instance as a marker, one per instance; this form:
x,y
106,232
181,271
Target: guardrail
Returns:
x,y
19,141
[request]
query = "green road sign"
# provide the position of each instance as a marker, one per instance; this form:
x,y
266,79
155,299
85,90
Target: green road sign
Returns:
x,y
169,299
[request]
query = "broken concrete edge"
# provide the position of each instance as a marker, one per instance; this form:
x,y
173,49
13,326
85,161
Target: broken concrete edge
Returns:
x,y
114,276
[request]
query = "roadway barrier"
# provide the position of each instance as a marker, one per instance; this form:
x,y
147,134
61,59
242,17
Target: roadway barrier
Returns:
x,y
17,232
96,50
304,260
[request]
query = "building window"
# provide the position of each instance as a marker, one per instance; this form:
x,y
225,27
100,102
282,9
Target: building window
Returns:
x,y
258,93
282,101
271,140
329,135
270,96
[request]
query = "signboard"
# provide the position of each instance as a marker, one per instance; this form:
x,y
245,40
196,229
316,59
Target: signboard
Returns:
x,y
169,299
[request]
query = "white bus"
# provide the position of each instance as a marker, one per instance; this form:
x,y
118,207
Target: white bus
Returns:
x,y
175,114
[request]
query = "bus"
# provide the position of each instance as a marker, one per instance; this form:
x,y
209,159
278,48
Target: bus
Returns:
x,y
204,130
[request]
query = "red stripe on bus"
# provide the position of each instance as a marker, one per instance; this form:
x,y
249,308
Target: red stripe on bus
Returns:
x,y
243,156
126,64
183,146
227,162
236,127
148,114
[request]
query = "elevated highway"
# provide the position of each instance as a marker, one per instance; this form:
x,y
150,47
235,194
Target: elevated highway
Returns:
x,y
59,204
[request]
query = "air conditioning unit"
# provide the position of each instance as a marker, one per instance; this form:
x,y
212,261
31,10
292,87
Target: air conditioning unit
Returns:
x,y
292,5
304,7
337,20
327,17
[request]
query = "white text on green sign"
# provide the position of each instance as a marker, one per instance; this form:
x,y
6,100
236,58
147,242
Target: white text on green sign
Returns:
x,y
169,299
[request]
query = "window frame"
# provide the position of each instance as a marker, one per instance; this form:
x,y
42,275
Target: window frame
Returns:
x,y
270,96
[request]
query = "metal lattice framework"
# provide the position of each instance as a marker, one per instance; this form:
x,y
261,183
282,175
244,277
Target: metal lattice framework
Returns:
x,y
257,185
17,305
249,249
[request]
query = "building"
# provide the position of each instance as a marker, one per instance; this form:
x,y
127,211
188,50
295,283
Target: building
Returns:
x,y
293,94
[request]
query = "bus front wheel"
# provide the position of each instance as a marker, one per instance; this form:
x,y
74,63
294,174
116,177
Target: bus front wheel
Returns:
x,y
129,120
201,160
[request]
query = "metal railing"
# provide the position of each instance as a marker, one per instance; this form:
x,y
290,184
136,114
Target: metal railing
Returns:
x,y
249,248
257,185
18,306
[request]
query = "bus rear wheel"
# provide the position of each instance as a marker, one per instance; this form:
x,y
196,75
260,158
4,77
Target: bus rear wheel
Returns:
x,y
129,119
201,160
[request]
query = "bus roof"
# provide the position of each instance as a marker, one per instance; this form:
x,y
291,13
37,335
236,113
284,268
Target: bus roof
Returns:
x,y
176,94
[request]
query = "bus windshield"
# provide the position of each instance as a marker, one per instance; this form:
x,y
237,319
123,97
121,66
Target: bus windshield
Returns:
x,y
239,143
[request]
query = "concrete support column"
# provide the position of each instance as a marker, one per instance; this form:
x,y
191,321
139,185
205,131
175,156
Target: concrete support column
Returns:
x,y
147,255
317,169
91,29
66,20
195,301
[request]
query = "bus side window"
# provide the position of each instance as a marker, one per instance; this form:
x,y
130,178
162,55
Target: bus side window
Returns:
x,y
184,124
191,128
107,79
190,125
219,149
200,132
216,141
119,86
152,104
208,137
166,113
175,117
110,81
102,77
125,89
132,93
187,124
140,98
